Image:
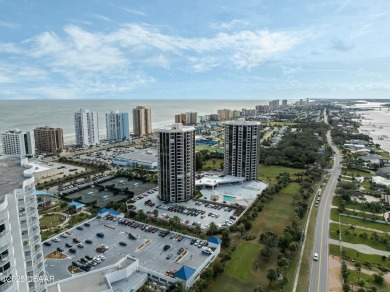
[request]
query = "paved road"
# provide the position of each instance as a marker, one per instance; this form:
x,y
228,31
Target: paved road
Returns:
x,y
319,269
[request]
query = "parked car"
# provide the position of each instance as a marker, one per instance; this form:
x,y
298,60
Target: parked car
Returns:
x,y
60,249
72,250
166,247
68,245
169,256
88,241
47,243
79,228
100,234
87,224
55,239
122,243
75,239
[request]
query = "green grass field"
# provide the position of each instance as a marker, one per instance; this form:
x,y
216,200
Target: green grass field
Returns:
x,y
208,148
212,163
240,266
268,173
49,221
240,274
355,173
277,213
359,222
355,239
352,254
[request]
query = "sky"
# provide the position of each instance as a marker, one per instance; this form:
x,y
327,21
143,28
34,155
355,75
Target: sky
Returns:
x,y
176,49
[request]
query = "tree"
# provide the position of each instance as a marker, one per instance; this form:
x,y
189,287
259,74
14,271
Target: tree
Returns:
x,y
226,238
212,228
272,275
378,278
155,213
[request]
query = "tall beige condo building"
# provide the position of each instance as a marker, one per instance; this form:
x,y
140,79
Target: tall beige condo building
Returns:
x,y
49,140
142,121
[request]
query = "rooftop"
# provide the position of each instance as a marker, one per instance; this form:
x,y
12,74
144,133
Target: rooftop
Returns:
x,y
148,155
11,174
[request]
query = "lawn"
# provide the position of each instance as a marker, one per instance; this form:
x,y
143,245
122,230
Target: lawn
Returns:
x,y
268,173
212,163
240,266
239,272
77,218
354,238
355,173
352,254
358,222
208,148
277,213
49,221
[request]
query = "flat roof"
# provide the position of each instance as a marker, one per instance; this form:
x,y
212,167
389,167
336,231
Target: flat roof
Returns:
x,y
11,174
148,155
214,180
148,249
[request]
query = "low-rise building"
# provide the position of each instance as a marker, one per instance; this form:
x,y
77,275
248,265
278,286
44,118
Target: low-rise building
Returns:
x,y
138,157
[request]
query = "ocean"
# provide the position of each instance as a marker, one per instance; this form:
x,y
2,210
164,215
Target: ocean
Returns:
x,y
376,123
29,114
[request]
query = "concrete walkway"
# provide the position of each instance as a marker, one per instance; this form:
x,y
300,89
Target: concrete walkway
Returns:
x,y
360,227
365,212
360,248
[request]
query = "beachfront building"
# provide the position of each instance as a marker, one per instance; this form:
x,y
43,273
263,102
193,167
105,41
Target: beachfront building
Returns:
x,y
117,126
21,255
86,128
176,162
189,118
49,140
242,149
225,114
262,109
284,103
18,143
142,121
274,105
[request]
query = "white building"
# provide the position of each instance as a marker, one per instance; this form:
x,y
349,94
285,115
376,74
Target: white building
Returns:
x,y
117,126
176,161
138,157
86,128
142,121
18,143
21,255
242,149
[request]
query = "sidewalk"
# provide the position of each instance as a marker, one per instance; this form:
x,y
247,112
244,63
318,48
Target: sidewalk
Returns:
x,y
360,248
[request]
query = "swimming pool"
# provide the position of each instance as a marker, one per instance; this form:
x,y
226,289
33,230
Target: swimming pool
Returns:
x,y
228,198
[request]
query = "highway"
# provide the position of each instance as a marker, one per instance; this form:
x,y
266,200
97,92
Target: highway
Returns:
x,y
319,269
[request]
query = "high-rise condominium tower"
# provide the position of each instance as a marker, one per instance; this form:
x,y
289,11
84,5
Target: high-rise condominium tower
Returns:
x,y
49,140
242,149
189,118
21,258
86,128
274,105
18,143
176,160
117,126
142,121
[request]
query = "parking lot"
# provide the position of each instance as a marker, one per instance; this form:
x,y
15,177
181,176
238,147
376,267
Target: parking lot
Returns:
x,y
190,213
148,247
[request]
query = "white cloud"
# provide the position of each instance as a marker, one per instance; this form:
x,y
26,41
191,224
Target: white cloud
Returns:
x,y
158,61
247,49
228,25
9,48
202,64
133,11
7,24
79,50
